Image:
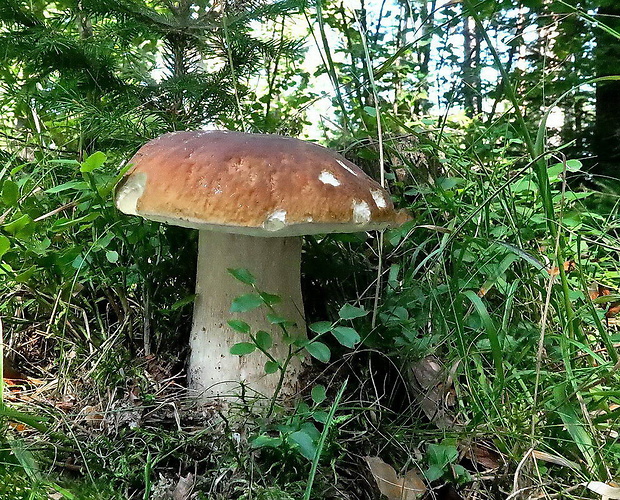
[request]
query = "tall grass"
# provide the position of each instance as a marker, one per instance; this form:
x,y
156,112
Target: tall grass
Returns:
x,y
500,281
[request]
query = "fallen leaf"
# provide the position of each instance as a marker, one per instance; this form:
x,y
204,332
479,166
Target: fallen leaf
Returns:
x,y
92,416
184,487
569,266
614,309
484,456
598,291
603,489
390,484
17,426
554,459
432,387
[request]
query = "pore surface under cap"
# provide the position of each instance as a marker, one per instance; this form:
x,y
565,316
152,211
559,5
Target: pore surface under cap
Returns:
x,y
264,185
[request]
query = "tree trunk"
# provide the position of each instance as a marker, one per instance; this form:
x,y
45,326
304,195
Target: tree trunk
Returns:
x,y
606,142
467,68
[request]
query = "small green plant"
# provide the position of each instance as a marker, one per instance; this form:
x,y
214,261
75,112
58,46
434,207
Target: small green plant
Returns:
x,y
297,432
442,463
262,341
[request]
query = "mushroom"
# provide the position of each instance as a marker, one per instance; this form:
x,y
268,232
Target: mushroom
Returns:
x,y
252,197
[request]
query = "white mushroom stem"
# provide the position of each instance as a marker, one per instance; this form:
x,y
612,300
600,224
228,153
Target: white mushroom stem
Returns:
x,y
275,263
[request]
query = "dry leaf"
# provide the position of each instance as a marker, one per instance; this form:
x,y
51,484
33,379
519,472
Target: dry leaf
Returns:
x,y
598,290
9,373
569,266
432,227
184,487
614,309
432,388
17,426
484,456
391,484
603,489
554,459
92,416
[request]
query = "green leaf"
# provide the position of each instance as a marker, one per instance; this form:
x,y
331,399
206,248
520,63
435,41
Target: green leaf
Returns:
x,y
112,256
319,351
321,327
18,224
183,302
347,336
243,275
318,394
269,298
433,473
370,111
271,367
571,166
305,444
242,348
10,193
77,185
263,340
25,276
441,455
239,326
274,319
25,459
93,162
320,416
447,183
246,302
264,441
348,311
5,244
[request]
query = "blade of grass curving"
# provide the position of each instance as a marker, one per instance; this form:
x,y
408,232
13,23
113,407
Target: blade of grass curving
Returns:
x,y
375,95
229,55
1,364
148,469
491,331
321,443
540,166
602,331
329,63
510,91
593,20
540,171
539,145
574,426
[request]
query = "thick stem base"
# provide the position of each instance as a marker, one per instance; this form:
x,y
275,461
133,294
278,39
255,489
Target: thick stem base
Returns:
x,y
275,263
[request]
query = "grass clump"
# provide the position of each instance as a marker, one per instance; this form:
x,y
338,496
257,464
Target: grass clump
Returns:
x,y
472,352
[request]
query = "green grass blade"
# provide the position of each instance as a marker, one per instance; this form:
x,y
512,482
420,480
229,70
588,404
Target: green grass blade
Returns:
x,y
574,426
321,443
491,331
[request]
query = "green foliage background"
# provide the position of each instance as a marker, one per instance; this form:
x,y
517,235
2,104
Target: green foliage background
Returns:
x,y
514,227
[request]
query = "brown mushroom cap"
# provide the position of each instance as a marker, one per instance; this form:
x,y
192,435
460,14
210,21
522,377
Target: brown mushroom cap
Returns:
x,y
254,184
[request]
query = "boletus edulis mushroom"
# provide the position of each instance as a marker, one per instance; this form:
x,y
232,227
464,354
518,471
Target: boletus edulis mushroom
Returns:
x,y
252,197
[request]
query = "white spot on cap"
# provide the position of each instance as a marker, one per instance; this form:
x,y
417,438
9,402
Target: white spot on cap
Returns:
x,y
347,168
361,212
379,198
328,178
275,221
130,192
